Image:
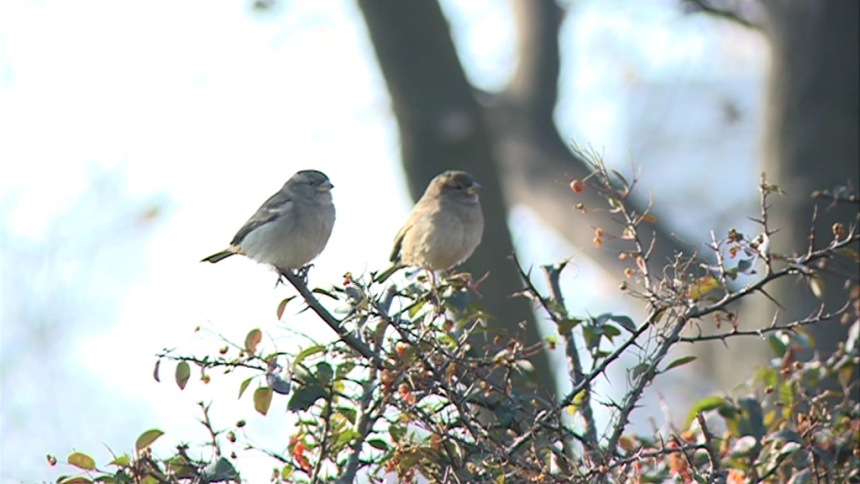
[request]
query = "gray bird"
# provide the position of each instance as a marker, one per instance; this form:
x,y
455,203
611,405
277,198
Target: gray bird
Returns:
x,y
444,228
291,228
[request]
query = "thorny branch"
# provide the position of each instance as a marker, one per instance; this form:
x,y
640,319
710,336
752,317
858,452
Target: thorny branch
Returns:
x,y
456,412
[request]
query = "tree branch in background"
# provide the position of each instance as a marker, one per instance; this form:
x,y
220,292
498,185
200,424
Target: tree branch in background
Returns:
x,y
726,12
511,144
443,127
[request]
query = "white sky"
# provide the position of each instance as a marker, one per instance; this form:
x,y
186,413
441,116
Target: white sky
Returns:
x,y
205,108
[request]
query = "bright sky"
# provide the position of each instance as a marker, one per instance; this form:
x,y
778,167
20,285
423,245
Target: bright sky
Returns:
x,y
204,109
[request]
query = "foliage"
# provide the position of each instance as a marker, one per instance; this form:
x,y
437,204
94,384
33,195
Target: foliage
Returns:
x,y
430,389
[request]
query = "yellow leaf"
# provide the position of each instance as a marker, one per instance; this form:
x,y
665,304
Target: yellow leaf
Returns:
x,y
81,461
262,399
147,438
183,372
702,286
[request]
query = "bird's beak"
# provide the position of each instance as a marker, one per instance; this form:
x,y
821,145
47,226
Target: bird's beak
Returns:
x,y
475,189
326,186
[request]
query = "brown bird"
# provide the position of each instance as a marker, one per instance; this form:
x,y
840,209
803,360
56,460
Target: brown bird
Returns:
x,y
291,228
444,228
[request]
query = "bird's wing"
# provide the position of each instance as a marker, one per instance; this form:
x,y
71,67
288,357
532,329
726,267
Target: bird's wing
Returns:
x,y
277,205
398,243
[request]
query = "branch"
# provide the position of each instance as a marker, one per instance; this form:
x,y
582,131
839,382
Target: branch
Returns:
x,y
713,456
705,6
553,274
366,420
645,378
350,339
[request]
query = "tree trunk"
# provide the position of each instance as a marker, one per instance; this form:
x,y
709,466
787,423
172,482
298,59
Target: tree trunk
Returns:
x,y
811,140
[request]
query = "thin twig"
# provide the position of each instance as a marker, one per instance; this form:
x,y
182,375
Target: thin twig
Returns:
x,y
553,275
350,339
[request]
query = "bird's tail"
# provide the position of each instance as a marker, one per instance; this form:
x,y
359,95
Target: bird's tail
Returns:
x,y
218,256
381,277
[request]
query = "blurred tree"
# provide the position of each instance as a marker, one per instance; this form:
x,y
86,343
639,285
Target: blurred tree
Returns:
x,y
60,282
811,139
812,131
509,141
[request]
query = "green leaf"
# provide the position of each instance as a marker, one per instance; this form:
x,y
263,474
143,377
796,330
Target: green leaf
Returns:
x,y
220,471
413,310
318,290
610,331
504,415
348,413
305,397
73,480
704,405
324,372
262,400
680,362
845,374
802,477
592,336
183,373
776,345
397,432
567,324
252,339
784,435
378,444
309,351
120,461
789,447
243,386
753,421
625,322
639,370
744,446
147,438
525,367
81,461
283,306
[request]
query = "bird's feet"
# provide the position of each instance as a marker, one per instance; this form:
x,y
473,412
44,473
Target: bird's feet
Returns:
x,y
300,273
465,279
303,272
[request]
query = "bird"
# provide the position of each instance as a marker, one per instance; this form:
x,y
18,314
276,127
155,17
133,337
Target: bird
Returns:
x,y
291,228
444,227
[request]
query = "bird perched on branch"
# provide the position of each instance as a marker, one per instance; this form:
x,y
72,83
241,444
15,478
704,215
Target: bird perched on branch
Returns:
x,y
291,228
444,228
